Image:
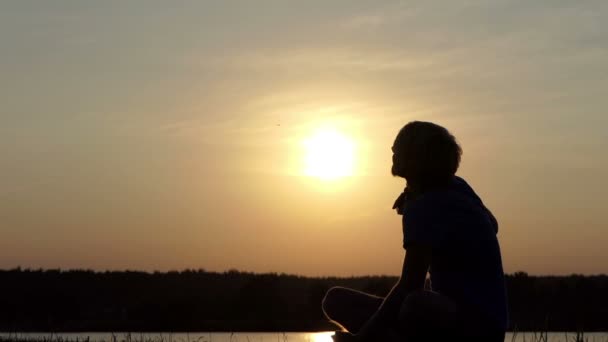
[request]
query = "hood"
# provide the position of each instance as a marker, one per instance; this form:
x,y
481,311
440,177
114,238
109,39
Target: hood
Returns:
x,y
459,186
462,187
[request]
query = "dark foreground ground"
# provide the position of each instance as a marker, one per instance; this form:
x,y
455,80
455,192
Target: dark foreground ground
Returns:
x,y
276,336
54,300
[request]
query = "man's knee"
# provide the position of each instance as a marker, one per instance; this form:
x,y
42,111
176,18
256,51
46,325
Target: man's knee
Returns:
x,y
331,301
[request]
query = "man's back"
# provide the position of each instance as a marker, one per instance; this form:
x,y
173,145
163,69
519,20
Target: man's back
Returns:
x,y
466,263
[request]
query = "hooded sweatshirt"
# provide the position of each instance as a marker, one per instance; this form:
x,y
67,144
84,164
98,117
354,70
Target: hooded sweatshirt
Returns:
x,y
466,264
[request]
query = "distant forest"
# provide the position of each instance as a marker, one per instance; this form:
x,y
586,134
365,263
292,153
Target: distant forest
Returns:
x,y
197,300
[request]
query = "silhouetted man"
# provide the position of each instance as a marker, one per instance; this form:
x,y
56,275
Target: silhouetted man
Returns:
x,y
447,232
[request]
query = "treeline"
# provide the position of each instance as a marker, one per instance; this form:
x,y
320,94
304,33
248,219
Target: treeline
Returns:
x,y
196,300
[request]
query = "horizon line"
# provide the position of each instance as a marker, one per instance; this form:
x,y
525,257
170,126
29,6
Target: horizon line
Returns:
x,y
236,271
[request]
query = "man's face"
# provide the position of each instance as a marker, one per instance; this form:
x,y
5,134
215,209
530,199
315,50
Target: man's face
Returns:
x,y
398,167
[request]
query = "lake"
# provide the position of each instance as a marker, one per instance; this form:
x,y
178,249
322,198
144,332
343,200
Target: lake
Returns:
x,y
268,337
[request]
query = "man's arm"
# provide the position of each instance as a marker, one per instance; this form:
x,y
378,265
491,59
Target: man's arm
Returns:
x,y
415,265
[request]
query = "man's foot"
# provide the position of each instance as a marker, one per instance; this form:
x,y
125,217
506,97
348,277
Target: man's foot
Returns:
x,y
389,335
343,336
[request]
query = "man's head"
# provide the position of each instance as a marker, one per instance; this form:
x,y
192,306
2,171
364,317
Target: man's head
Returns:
x,y
425,154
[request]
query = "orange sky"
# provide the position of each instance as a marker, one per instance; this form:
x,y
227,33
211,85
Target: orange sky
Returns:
x,y
142,136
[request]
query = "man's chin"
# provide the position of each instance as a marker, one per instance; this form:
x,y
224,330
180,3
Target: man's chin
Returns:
x,y
396,173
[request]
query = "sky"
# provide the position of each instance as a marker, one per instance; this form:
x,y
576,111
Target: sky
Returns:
x,y
158,135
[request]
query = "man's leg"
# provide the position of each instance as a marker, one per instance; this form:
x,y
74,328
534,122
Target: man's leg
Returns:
x,y
425,312
427,315
349,308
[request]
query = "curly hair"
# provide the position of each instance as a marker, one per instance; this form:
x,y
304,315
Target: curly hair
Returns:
x,y
425,154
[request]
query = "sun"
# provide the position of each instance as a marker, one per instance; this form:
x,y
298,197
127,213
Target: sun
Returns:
x,y
329,155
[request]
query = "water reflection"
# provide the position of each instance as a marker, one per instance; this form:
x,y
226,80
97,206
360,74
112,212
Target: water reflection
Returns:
x,y
322,337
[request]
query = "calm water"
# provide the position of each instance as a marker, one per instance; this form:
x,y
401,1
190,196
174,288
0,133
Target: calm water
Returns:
x,y
269,337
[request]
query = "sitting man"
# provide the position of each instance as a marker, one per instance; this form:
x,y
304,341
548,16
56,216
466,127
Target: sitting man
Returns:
x,y
447,232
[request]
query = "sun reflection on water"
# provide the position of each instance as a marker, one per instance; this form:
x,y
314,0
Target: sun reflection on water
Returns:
x,y
322,337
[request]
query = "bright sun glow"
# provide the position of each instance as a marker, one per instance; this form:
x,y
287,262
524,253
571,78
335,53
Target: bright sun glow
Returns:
x,y
329,155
